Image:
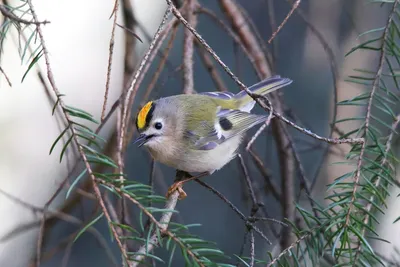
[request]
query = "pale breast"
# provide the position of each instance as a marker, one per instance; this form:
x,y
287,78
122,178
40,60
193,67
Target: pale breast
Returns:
x,y
195,160
209,160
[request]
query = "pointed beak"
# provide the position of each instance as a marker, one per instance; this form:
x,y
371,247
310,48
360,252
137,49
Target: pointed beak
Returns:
x,y
141,140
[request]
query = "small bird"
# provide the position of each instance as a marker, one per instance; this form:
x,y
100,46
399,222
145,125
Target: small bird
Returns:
x,y
200,133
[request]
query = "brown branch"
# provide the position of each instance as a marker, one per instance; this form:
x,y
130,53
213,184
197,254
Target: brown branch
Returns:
x,y
246,36
133,87
51,79
163,34
335,76
5,75
130,39
287,170
52,213
286,158
249,184
286,250
335,141
110,58
261,129
375,86
162,224
272,23
249,221
188,43
209,65
295,5
250,22
252,249
265,173
125,111
163,61
8,14
378,180
178,14
231,34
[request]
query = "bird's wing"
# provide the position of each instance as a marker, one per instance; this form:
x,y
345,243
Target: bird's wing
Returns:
x,y
219,95
228,123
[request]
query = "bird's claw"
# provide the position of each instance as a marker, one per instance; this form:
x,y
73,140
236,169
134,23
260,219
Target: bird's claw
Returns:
x,y
177,186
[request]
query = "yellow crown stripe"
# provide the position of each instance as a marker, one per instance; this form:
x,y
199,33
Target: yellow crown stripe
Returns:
x,y
141,120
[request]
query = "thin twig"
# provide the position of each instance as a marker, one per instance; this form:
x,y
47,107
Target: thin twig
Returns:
x,y
286,158
247,38
188,43
335,76
130,24
246,233
378,180
67,253
131,93
151,184
304,182
265,173
272,23
335,141
252,249
295,5
120,155
51,213
209,65
133,88
286,250
163,61
8,14
375,86
233,207
248,181
287,169
178,14
51,79
139,79
222,197
249,20
5,75
131,32
260,130
162,224
110,58
237,41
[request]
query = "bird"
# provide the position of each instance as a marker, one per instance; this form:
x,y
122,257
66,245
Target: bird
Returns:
x,y
200,133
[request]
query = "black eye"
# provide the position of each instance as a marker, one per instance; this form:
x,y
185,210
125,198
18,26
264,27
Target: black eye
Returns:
x,y
158,125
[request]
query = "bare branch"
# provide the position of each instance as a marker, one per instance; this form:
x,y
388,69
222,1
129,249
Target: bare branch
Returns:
x,y
375,86
286,250
8,14
110,58
133,87
164,222
188,43
5,75
295,5
51,79
209,65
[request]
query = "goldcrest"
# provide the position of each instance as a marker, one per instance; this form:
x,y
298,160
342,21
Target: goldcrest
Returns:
x,y
200,132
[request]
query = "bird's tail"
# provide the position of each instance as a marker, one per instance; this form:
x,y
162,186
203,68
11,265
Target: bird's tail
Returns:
x,y
264,87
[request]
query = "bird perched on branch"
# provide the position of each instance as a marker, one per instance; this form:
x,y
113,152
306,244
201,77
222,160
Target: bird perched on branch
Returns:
x,y
200,133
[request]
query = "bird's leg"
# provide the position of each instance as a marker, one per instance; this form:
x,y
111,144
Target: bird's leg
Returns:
x,y
181,178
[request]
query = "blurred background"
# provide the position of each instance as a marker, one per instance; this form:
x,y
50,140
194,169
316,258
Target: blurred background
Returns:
x,y
310,49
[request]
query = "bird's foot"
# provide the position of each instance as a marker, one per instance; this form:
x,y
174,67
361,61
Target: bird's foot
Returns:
x,y
177,186
181,178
